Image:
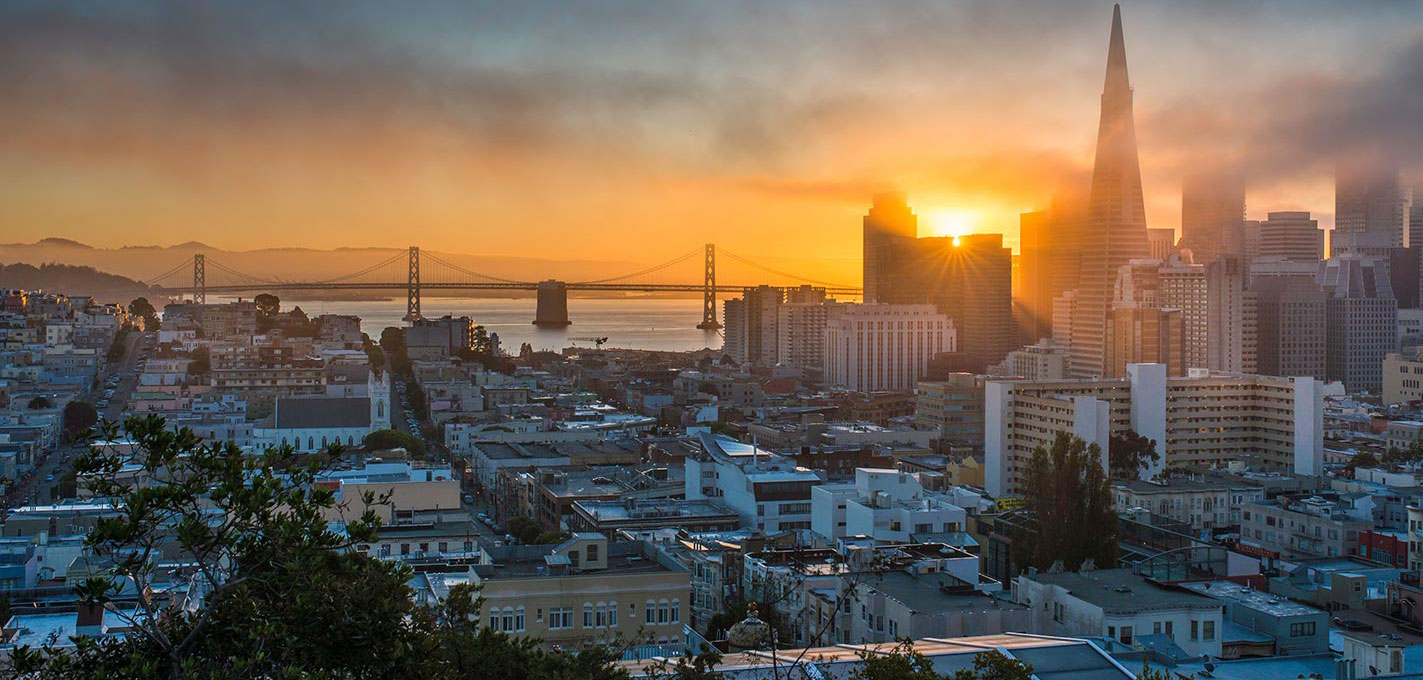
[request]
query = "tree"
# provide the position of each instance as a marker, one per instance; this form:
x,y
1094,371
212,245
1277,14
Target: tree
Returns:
x,y
1069,496
480,341
268,305
280,595
40,402
143,309
1362,459
722,621
119,346
392,342
384,440
1129,453
201,362
79,416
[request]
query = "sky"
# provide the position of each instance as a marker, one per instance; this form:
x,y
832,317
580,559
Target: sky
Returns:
x,y
634,131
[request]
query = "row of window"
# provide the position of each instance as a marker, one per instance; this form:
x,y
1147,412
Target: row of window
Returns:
x,y
595,615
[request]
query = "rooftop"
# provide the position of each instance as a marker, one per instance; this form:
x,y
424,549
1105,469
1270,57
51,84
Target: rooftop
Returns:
x,y
323,412
1120,590
1257,600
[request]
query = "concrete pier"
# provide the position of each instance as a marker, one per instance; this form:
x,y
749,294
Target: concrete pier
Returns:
x,y
552,310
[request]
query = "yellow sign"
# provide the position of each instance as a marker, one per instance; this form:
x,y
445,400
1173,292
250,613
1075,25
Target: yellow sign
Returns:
x,y
1012,503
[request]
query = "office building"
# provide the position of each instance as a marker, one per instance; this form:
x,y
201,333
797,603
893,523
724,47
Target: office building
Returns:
x,y
1140,330
1115,229
1291,236
888,223
952,407
1213,216
1361,321
1291,325
1182,285
1200,420
876,346
1160,243
1230,317
1371,198
1034,289
1046,360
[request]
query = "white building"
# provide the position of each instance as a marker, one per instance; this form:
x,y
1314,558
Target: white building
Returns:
x,y
312,423
1046,360
1120,605
873,347
886,505
769,491
1203,419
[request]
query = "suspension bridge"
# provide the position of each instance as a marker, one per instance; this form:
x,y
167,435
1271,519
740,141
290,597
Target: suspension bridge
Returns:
x,y
416,272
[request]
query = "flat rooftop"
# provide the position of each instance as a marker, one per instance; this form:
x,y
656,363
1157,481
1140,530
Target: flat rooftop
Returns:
x,y
1119,590
1258,600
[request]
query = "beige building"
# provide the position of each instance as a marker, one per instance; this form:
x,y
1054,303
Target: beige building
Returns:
x,y
952,407
1201,504
411,489
1203,419
1402,379
585,591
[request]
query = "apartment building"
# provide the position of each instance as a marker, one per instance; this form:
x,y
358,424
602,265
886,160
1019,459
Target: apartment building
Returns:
x,y
770,492
1203,505
1202,419
1302,526
883,346
953,407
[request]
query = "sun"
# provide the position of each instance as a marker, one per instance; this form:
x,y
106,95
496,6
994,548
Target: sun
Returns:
x,y
953,222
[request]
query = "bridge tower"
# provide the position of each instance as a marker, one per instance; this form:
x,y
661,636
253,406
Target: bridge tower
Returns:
x,y
412,286
552,310
200,278
709,292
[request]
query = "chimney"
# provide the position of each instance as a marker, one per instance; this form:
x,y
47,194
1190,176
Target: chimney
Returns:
x,y
89,620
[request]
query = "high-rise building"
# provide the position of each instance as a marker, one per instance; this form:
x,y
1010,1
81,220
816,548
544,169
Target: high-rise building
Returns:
x,y
889,222
1291,236
1183,287
1044,360
878,346
1290,324
800,330
1115,229
968,277
1370,197
750,325
1230,317
1160,242
1034,291
1213,215
1362,321
1141,329
1201,420
1064,308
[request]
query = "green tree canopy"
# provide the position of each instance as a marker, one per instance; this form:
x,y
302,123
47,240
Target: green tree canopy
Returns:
x,y
40,402
268,305
1069,496
143,309
1129,452
79,416
906,663
382,440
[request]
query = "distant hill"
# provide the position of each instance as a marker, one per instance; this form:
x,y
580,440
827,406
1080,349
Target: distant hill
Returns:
x,y
70,280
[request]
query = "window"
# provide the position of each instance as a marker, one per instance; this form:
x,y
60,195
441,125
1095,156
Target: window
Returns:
x,y
587,614
1303,629
600,615
1208,630
560,619
1195,629
1126,635
651,612
676,610
508,623
592,551
612,615
662,612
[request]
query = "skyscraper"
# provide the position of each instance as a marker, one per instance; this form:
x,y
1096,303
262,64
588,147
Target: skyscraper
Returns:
x,y
1212,215
1115,229
1370,197
1291,311
889,223
1183,287
1231,331
1160,242
1291,236
1361,321
1034,290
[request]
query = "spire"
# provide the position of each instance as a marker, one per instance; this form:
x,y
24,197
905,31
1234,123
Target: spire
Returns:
x,y
1117,80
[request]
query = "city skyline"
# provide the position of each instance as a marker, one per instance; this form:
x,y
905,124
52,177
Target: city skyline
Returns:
x,y
430,126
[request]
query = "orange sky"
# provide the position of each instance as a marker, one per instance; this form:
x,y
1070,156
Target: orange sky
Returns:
x,y
634,132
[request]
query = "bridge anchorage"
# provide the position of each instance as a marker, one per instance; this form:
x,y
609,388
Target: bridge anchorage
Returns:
x,y
417,272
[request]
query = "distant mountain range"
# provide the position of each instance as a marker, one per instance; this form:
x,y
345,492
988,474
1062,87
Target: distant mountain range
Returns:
x,y
145,262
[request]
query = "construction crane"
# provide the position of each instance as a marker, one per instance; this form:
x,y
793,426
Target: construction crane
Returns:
x,y
598,342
